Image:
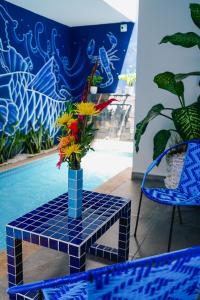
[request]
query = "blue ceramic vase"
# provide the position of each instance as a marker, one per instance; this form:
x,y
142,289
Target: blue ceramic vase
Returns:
x,y
75,187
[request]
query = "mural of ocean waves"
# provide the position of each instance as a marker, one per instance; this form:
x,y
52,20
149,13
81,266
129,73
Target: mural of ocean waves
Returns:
x,y
27,101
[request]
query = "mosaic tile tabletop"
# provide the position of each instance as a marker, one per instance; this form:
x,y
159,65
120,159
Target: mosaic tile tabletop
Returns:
x,y
49,226
50,222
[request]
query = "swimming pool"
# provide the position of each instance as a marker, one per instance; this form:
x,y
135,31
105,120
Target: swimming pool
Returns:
x,y
27,187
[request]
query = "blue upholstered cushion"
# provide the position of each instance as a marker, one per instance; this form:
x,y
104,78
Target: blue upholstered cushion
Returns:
x,y
167,277
188,190
171,196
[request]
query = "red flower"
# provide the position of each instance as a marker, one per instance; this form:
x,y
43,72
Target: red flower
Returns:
x,y
81,118
103,105
59,163
74,128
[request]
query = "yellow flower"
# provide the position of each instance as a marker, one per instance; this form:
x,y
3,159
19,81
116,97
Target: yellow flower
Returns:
x,y
86,109
68,150
65,119
65,140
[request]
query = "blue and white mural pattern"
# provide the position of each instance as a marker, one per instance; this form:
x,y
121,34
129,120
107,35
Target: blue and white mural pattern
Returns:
x,y
34,80
105,57
43,65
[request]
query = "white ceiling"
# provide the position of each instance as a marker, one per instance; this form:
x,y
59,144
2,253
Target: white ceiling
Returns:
x,y
80,12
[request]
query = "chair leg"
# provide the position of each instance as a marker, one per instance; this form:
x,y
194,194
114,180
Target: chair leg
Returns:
x,y
171,229
138,213
179,214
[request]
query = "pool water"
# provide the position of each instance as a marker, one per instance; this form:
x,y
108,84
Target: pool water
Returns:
x,y
24,188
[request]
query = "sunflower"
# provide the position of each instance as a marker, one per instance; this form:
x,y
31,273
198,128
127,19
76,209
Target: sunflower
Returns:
x,y
68,150
65,119
86,109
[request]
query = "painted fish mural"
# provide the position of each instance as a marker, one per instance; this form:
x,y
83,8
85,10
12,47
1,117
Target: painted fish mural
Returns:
x,y
30,97
27,100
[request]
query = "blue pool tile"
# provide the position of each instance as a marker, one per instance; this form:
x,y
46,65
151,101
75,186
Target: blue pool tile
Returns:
x,y
10,241
63,247
35,239
73,250
44,241
9,231
18,234
53,244
26,236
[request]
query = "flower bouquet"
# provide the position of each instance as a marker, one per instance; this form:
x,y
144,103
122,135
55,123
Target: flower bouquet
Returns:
x,y
77,133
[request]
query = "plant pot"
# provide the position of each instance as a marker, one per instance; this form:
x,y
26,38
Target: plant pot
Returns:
x,y
75,188
93,89
174,168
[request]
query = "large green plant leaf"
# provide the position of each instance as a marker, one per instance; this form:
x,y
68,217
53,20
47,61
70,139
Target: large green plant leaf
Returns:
x,y
160,142
167,82
187,121
141,126
182,76
195,13
187,40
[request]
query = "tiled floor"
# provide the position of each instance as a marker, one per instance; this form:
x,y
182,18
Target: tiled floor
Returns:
x,y
152,237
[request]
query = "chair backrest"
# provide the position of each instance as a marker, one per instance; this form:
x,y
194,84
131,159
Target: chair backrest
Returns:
x,y
174,275
190,175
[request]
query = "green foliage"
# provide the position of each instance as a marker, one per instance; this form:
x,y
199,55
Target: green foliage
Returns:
x,y
195,13
160,141
141,126
166,81
186,119
10,146
95,80
47,140
182,76
187,40
33,142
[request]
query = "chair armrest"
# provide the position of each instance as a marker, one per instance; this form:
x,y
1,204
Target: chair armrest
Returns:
x,y
159,158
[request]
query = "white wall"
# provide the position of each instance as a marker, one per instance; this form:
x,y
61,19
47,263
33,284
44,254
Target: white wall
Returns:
x,y
158,18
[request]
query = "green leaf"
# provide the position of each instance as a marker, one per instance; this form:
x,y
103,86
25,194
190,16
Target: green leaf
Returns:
x,y
187,121
182,76
187,40
160,142
166,81
195,13
141,126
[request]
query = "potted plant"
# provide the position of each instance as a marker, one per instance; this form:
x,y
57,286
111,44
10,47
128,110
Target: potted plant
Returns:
x,y
185,118
130,79
94,81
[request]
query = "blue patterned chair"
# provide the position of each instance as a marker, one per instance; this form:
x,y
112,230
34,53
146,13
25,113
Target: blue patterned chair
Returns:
x,y
188,191
174,276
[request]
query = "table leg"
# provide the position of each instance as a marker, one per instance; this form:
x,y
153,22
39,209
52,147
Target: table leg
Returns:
x,y
124,234
15,263
77,263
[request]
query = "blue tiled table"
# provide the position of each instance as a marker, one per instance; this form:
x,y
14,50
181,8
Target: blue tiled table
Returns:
x,y
50,227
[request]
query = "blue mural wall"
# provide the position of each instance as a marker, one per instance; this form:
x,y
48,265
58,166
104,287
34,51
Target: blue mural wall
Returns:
x,y
44,65
105,43
34,62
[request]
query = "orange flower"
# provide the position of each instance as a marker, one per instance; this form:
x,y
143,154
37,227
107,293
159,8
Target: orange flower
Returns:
x,y
64,141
